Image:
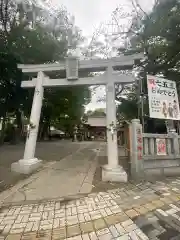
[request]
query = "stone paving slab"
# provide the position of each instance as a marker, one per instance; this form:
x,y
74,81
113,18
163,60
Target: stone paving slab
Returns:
x,y
48,151
71,176
148,212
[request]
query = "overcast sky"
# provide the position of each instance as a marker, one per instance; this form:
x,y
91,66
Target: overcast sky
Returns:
x,y
88,16
89,13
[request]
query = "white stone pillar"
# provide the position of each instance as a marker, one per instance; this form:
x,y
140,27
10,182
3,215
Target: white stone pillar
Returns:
x,y
136,149
175,141
29,162
112,171
30,146
111,118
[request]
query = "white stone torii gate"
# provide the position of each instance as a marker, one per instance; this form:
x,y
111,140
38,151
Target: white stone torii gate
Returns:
x,y
112,171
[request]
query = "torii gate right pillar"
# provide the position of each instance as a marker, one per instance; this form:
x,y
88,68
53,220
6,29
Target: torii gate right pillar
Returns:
x,y
112,171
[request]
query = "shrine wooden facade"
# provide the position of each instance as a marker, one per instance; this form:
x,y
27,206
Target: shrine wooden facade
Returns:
x,y
95,129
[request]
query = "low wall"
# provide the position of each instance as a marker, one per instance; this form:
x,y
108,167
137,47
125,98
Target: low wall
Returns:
x,y
157,164
153,154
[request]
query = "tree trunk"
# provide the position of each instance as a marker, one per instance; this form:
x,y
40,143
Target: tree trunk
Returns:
x,y
40,135
18,132
2,132
47,129
44,130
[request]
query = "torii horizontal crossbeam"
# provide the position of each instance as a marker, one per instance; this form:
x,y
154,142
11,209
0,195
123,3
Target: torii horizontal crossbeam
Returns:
x,y
88,65
98,80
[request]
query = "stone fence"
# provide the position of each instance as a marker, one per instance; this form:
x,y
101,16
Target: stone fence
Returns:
x,y
153,154
150,146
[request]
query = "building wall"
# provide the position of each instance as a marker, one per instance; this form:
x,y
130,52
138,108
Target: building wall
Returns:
x,y
97,121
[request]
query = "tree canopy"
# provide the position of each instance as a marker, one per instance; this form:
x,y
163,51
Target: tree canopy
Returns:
x,y
157,34
32,34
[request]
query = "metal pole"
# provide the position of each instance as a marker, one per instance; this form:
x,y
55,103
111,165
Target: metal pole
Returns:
x,y
142,104
178,127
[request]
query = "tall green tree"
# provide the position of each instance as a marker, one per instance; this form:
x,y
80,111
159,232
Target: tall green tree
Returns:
x,y
31,35
157,34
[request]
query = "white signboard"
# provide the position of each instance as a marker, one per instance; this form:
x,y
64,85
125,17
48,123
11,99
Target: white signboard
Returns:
x,y
163,98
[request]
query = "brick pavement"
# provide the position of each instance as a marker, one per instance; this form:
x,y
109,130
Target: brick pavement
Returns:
x,y
135,212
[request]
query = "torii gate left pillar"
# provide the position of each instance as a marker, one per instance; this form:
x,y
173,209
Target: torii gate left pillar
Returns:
x,y
29,163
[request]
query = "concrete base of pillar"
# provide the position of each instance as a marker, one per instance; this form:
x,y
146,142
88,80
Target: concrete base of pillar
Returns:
x,y
110,174
26,166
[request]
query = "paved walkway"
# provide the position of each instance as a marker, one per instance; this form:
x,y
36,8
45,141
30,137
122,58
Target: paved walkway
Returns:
x,y
47,151
67,178
135,212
